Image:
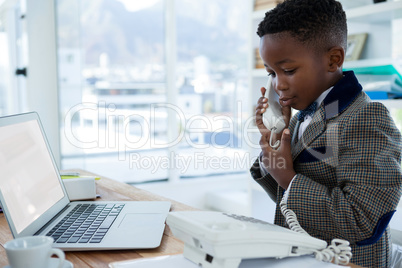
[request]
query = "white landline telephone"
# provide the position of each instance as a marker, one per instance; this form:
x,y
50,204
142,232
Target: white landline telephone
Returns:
x,y
218,240
273,118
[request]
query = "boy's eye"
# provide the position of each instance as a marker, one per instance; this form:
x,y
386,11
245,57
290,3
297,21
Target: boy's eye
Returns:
x,y
289,71
271,74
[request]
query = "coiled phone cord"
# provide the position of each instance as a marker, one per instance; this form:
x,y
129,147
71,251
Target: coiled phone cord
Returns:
x,y
271,139
338,251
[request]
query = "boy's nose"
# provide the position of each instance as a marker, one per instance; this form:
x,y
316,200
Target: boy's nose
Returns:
x,y
280,84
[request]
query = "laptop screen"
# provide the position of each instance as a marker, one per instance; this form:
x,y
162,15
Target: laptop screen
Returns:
x,y
29,182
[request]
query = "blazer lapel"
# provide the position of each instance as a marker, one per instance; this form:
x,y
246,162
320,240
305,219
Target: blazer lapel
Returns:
x,y
295,136
313,130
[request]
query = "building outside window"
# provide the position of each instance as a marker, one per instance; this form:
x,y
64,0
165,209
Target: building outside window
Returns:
x,y
113,82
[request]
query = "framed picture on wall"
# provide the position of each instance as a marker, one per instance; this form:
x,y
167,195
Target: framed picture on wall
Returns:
x,y
355,46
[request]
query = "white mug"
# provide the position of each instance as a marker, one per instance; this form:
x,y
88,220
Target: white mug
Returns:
x,y
32,252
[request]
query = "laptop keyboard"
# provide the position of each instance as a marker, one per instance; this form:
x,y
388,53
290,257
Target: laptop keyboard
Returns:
x,y
86,223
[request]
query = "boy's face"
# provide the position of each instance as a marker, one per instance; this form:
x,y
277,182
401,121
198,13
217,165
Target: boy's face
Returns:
x,y
299,76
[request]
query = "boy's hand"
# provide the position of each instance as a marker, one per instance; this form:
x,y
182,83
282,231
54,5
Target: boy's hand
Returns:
x,y
279,163
262,106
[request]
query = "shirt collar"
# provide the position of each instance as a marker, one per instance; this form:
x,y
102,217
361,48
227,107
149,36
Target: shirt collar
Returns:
x,y
323,96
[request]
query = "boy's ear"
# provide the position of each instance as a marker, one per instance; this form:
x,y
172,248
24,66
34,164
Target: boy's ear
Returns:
x,y
336,57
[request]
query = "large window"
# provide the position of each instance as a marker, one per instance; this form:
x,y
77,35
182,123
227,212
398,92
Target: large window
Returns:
x,y
4,67
212,84
13,59
120,116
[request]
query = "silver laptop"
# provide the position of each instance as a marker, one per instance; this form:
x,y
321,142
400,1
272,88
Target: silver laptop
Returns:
x,y
35,201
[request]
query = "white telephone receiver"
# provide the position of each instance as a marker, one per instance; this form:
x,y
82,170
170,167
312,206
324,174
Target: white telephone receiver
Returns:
x,y
273,118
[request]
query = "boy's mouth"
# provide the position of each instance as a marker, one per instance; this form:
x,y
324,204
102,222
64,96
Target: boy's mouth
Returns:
x,y
286,101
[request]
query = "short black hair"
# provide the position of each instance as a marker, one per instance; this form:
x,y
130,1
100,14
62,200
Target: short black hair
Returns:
x,y
318,24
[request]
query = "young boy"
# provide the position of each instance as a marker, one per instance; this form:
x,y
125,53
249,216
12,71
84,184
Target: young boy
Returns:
x,y
340,164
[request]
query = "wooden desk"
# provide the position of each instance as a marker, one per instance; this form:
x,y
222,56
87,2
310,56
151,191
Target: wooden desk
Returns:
x,y
113,190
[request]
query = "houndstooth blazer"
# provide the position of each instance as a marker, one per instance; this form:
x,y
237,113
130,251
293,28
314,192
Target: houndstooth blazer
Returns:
x,y
348,165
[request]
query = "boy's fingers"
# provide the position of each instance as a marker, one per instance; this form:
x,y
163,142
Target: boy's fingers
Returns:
x,y
263,90
264,142
287,112
258,120
285,141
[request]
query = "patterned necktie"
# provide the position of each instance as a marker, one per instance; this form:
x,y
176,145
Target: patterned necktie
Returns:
x,y
310,110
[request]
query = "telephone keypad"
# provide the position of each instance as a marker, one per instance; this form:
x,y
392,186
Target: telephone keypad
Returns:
x,y
245,218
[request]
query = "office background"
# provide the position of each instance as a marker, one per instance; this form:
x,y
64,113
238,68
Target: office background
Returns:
x,y
160,93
